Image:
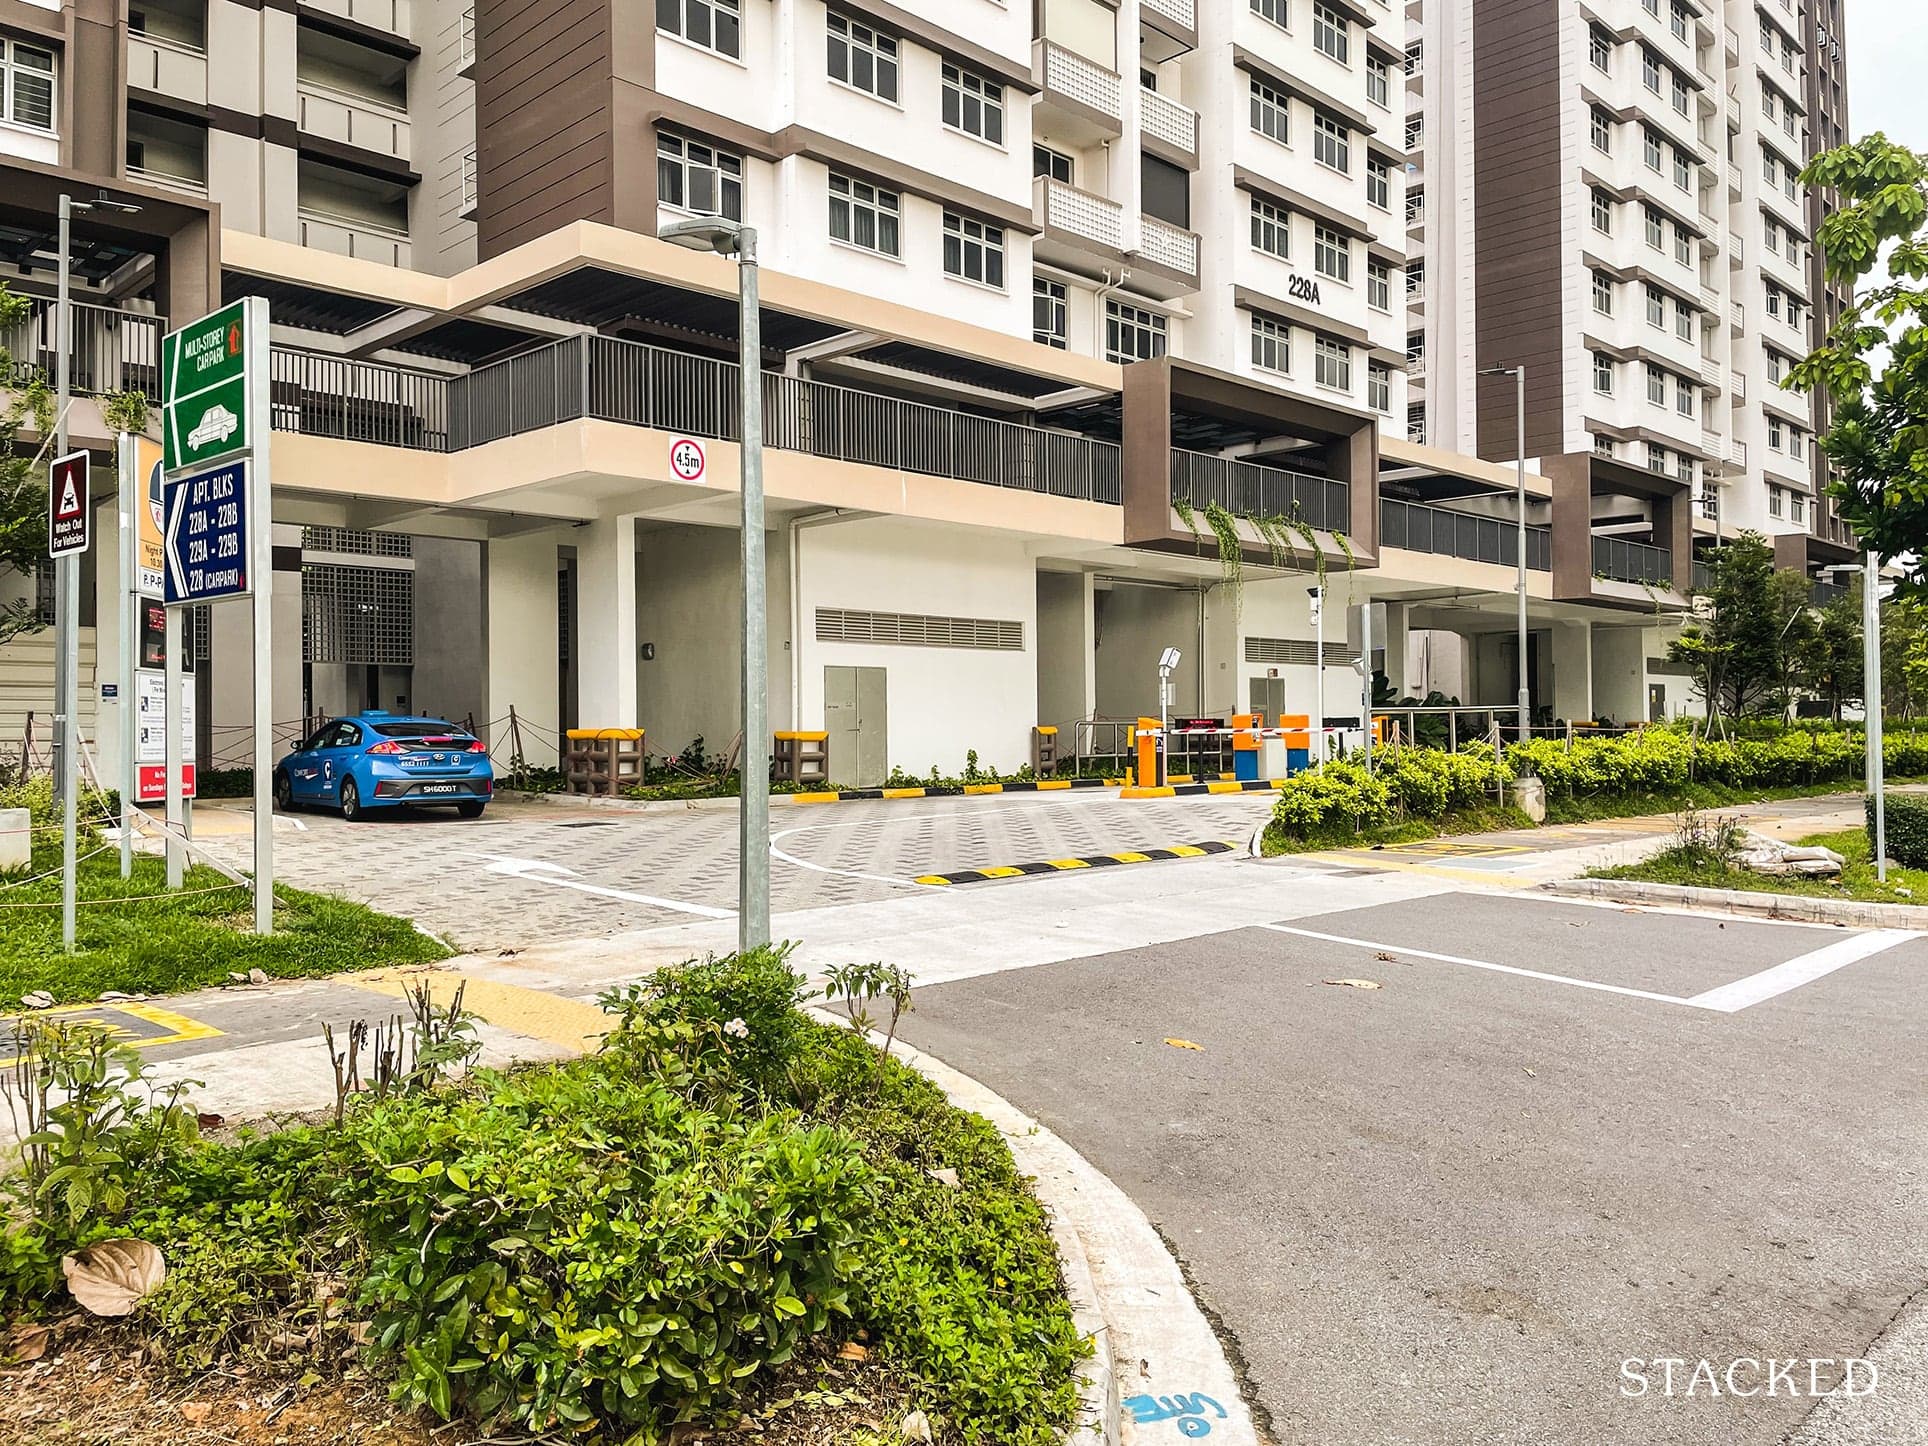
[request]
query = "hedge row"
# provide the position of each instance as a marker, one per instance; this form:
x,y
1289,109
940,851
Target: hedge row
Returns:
x,y
1408,783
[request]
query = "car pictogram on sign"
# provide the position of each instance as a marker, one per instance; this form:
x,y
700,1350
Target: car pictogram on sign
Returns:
x,y
217,424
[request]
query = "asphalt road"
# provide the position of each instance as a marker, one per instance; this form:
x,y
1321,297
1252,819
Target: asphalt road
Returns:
x,y
1446,1210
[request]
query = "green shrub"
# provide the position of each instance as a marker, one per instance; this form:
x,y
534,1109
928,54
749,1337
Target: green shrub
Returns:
x,y
1907,829
754,996
1340,798
634,1269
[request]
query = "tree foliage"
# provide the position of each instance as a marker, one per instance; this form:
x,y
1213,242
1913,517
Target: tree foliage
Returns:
x,y
25,404
1738,653
1874,362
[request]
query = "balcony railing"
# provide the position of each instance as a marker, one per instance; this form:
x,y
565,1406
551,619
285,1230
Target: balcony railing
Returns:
x,y
389,15
1623,561
354,120
1167,120
613,380
1168,245
1179,12
1071,75
1066,208
1821,592
1250,489
346,237
112,351
1446,533
167,67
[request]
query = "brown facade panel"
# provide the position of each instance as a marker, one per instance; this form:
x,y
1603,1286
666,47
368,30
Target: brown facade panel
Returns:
x,y
1517,242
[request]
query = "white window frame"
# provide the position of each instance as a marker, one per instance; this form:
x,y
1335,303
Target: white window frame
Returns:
x,y
1124,322
1603,373
854,40
975,97
1332,253
1603,288
1378,183
1379,81
1379,387
856,199
1600,48
1332,363
1600,129
1378,284
1600,210
1271,344
1276,12
1271,223
1332,143
977,245
1656,307
1055,300
1271,105
724,169
686,10
12,72
1656,385
1331,33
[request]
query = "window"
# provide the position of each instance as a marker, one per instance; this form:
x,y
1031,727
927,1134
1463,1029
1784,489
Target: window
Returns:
x,y
1055,164
1415,56
1683,171
1331,33
1650,147
1776,367
1331,143
1603,374
1650,70
1050,313
1602,131
1797,508
1679,21
1332,364
1271,229
1277,11
973,104
1656,385
1378,81
1773,300
1600,48
1271,113
1271,344
1379,387
1774,506
1378,284
1132,333
1379,183
1415,205
1603,293
862,57
1416,352
1415,132
1656,228
1684,468
1683,247
1602,445
713,24
695,176
27,80
1656,306
1796,442
1656,457
1652,7
973,251
1602,212
1683,397
1775,427
1683,320
1678,89
863,215
1332,253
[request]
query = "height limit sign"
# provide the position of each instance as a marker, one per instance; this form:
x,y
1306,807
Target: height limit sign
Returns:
x,y
70,511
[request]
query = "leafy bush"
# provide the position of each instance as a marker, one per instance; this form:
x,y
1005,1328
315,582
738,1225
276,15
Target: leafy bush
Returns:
x,y
1340,798
754,996
1427,783
1907,829
1666,760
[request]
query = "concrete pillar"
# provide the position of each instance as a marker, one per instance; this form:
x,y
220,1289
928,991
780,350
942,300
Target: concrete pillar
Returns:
x,y
606,604
1067,650
231,652
1573,671
1620,673
522,635
109,715
1395,628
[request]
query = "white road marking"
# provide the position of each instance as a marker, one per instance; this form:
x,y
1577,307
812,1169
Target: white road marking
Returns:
x,y
1732,998
540,871
1403,951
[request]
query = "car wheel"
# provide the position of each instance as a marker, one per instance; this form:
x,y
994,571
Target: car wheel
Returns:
x,y
351,804
469,810
284,793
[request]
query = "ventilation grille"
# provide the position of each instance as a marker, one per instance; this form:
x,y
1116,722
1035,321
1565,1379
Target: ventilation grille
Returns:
x,y
1296,651
915,630
357,615
354,541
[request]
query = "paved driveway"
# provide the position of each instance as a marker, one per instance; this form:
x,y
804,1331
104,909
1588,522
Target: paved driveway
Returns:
x,y
1446,1210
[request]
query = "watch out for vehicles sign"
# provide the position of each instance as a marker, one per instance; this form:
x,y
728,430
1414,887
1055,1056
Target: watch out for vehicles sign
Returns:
x,y
69,512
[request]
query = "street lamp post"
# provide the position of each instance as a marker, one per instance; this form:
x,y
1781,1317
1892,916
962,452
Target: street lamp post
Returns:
x,y
732,238
1876,767
1519,450
67,582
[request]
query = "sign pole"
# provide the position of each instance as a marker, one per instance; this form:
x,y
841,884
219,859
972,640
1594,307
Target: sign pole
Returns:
x,y
130,501
261,566
66,604
171,732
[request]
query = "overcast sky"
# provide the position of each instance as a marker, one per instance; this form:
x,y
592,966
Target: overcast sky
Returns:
x,y
1888,70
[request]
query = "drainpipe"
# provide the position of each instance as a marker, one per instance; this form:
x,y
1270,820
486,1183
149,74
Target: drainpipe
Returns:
x,y
797,524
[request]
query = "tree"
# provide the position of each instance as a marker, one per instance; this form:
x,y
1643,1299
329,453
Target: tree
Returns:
x,y
1878,444
1737,654
24,401
1827,659
1904,658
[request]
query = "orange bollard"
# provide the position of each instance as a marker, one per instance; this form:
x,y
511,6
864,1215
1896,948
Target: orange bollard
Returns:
x,y
1148,738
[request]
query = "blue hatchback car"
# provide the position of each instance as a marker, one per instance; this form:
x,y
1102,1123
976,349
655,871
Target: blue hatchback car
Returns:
x,y
382,760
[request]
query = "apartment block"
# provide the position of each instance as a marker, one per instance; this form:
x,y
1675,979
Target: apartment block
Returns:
x,y
1614,204
1060,303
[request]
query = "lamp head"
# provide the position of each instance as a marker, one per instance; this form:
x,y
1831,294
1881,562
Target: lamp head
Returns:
x,y
104,202
1168,659
706,233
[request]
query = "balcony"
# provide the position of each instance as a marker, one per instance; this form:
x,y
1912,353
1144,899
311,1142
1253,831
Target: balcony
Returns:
x,y
1167,28
1167,245
1737,454
1636,562
1445,533
390,15
1082,92
1737,319
167,67
1822,593
112,350
613,380
1714,445
1162,119
466,55
348,236
1080,214
354,120
1251,489
1710,372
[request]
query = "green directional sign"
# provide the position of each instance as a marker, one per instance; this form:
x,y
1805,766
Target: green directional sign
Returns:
x,y
205,369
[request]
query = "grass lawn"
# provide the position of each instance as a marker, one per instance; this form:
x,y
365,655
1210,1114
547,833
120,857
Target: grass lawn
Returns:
x,y
162,945
1857,880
